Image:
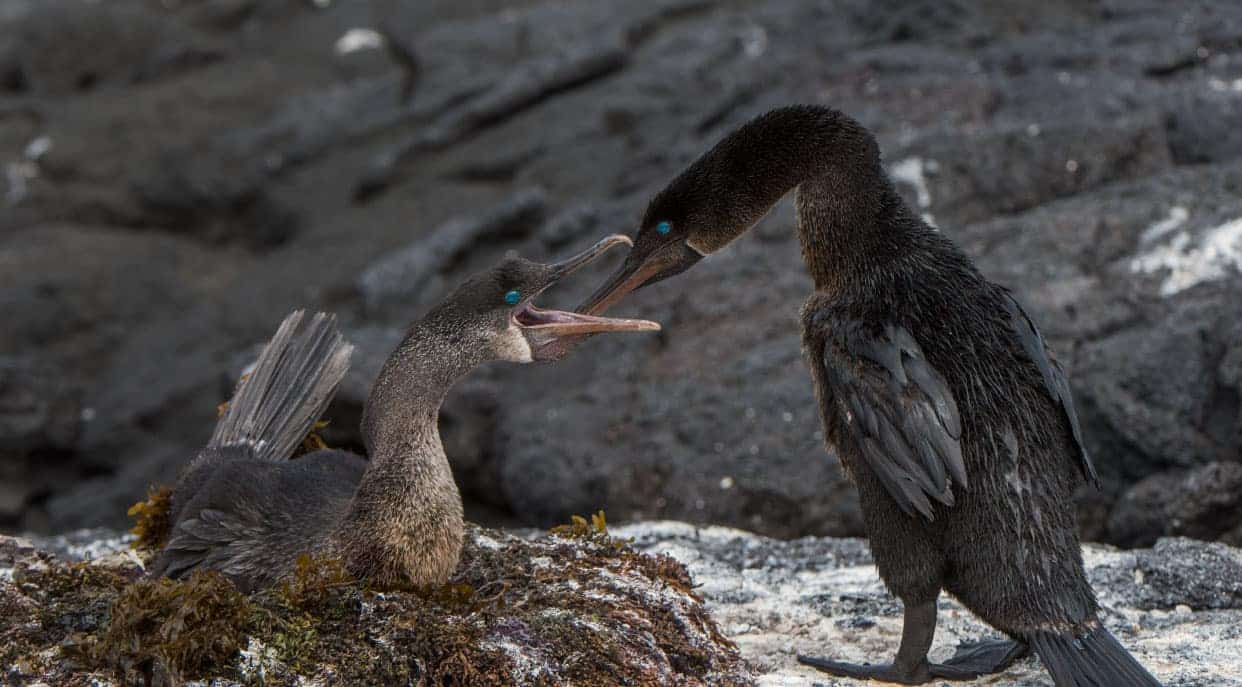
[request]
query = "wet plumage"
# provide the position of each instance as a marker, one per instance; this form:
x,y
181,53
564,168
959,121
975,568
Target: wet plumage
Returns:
x,y
244,509
935,387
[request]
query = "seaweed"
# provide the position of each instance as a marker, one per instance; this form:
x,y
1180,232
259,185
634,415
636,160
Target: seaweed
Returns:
x,y
174,629
313,441
20,633
315,585
578,528
151,521
579,607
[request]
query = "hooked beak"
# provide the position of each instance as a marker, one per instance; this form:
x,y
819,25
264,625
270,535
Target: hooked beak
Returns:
x,y
551,333
639,271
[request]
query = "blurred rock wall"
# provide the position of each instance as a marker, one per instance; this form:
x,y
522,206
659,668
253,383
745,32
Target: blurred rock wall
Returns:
x,y
179,175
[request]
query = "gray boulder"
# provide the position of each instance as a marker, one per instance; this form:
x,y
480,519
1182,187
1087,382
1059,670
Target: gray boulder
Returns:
x,y
40,422
67,46
1204,503
39,409
1009,168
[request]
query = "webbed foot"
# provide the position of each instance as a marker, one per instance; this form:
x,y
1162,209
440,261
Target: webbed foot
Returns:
x,y
885,672
980,658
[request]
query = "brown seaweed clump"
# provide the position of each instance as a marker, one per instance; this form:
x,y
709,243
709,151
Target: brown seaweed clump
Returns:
x,y
151,521
577,607
176,630
314,440
596,530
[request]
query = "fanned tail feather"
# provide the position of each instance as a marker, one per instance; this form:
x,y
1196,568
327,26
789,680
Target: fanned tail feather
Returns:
x,y
288,389
1093,660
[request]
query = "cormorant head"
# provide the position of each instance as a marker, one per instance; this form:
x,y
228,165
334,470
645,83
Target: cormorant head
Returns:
x,y
731,187
681,226
498,305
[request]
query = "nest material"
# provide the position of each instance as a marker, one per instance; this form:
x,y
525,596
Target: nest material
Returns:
x,y
151,524
578,607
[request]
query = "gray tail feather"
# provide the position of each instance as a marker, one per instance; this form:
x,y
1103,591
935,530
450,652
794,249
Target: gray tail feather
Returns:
x,y
1093,660
287,390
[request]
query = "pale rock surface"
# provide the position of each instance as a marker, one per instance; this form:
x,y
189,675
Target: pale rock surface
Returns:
x,y
1177,606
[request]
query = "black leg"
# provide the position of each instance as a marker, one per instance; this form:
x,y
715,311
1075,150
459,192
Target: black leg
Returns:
x,y
980,658
910,666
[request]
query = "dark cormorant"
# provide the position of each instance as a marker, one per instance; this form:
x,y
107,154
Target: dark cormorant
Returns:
x,y
946,408
244,509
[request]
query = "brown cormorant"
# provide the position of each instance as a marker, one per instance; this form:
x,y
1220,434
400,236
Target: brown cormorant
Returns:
x,y
934,385
244,509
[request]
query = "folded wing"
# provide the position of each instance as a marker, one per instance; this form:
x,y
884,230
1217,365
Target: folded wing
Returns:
x,y
900,413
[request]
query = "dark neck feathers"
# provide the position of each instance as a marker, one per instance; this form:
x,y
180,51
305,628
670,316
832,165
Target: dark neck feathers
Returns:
x,y
851,221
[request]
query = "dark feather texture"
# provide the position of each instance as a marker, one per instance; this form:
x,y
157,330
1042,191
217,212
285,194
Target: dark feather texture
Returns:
x,y
935,388
1095,659
1054,379
250,519
242,507
900,412
287,390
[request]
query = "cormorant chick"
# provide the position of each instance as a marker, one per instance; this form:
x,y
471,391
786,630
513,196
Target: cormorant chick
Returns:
x,y
245,510
934,385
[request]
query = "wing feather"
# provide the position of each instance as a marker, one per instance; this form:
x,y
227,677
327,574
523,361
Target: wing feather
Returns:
x,y
1055,381
903,417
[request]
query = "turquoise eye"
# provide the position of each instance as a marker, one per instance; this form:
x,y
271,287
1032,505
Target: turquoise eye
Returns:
x,y
513,297
663,228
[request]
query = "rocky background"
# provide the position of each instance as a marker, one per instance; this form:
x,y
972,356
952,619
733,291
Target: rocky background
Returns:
x,y
179,174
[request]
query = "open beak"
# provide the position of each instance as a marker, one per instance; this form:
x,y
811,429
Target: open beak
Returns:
x,y
639,271
552,332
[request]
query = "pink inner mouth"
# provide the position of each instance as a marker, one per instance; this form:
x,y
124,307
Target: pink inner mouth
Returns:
x,y
530,316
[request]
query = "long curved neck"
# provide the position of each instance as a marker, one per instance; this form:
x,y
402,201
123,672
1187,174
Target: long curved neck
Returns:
x,y
850,219
406,397
406,514
851,222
